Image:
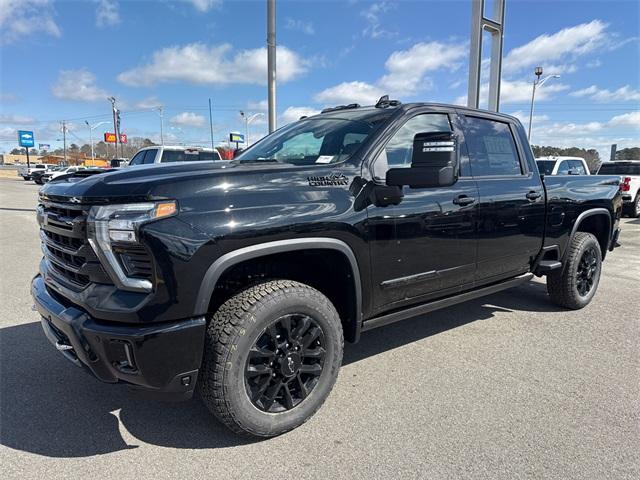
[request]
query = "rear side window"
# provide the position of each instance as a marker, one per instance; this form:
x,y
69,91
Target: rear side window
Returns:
x,y
492,150
546,166
577,168
150,156
614,168
564,167
138,159
169,156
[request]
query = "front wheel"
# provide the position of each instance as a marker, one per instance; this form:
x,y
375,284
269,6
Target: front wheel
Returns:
x,y
272,355
576,284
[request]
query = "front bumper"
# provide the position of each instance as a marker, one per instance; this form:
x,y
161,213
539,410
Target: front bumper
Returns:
x,y
162,358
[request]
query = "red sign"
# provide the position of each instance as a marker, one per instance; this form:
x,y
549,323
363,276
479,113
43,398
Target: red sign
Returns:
x,y
111,137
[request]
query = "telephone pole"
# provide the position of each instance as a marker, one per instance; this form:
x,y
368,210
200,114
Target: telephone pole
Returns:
x,y
64,140
115,126
271,63
211,124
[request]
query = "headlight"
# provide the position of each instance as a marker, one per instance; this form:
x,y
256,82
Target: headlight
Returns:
x,y
120,223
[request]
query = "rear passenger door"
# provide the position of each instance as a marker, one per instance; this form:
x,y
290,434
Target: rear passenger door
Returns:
x,y
511,198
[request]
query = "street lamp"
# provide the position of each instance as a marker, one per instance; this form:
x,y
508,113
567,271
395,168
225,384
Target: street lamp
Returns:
x,y
160,110
91,129
247,120
536,84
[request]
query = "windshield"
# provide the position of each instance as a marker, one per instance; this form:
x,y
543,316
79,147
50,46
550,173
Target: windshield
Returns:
x,y
312,141
545,166
612,168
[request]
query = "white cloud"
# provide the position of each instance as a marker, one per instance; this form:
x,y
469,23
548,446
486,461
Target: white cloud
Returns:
x,y
205,5
373,15
8,97
149,102
407,68
79,85
214,65
569,42
8,133
517,91
631,119
189,119
349,92
107,13
21,18
626,93
293,114
261,105
406,74
16,119
300,25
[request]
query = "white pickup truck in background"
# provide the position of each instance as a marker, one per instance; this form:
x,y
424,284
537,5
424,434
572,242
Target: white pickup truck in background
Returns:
x,y
629,171
553,165
25,172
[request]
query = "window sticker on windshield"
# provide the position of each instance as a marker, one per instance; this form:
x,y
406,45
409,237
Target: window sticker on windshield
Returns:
x,y
324,159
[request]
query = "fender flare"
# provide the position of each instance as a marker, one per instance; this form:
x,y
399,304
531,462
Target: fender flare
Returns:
x,y
215,271
588,213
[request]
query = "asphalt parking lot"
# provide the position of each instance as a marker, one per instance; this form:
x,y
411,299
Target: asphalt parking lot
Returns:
x,y
504,387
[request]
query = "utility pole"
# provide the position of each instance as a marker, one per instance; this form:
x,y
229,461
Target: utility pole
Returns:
x,y
115,128
271,62
64,141
93,157
211,124
161,110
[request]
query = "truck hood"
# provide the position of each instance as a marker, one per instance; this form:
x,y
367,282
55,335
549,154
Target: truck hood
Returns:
x,y
148,182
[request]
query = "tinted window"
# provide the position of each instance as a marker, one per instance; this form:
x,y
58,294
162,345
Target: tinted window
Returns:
x,y
399,150
188,156
564,167
150,156
577,168
138,158
492,149
546,166
613,168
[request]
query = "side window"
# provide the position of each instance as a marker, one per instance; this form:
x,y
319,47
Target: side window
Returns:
x,y
492,150
300,147
138,158
399,150
577,168
564,167
150,156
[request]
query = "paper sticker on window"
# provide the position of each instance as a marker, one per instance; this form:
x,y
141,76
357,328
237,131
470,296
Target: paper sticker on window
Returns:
x,y
324,159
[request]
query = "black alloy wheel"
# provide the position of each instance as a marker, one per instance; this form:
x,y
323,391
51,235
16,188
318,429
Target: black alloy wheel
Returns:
x,y
587,270
285,363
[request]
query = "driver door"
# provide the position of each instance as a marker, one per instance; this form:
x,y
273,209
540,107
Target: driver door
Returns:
x,y
424,247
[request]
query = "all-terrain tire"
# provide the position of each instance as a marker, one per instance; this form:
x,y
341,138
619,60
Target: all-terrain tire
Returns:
x,y
234,330
634,210
563,285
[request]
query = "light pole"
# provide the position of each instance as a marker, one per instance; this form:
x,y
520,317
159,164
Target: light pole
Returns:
x,y
247,120
115,122
161,112
536,84
91,129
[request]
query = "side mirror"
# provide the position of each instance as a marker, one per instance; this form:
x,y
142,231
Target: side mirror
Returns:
x,y
434,162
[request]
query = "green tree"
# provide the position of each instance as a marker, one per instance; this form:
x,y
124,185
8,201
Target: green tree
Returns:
x,y
632,153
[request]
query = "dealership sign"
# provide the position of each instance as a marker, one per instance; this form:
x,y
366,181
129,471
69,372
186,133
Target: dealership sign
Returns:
x,y
236,137
44,146
25,138
111,137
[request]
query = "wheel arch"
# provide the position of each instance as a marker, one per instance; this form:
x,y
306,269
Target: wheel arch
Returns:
x,y
228,261
596,221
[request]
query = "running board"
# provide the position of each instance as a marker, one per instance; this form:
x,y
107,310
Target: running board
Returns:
x,y
445,302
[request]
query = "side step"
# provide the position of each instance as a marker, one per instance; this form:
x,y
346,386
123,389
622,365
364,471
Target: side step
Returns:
x,y
445,302
546,266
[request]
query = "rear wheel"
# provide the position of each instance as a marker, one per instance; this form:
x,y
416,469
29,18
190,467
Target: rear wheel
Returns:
x,y
634,211
576,284
272,356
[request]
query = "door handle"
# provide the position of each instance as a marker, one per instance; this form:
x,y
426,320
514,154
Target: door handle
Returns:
x,y
533,195
463,200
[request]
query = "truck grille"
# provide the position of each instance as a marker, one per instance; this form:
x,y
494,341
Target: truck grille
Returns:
x,y
63,232
71,260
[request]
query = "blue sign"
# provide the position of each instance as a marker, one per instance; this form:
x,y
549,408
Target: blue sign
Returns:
x,y
25,138
236,137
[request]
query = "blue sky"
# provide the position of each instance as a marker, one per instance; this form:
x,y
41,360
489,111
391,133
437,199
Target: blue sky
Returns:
x,y
61,59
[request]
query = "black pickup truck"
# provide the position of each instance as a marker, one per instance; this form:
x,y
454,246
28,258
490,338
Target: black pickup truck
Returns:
x,y
241,279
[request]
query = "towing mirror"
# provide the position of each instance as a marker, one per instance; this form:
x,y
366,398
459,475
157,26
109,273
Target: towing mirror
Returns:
x,y
434,162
